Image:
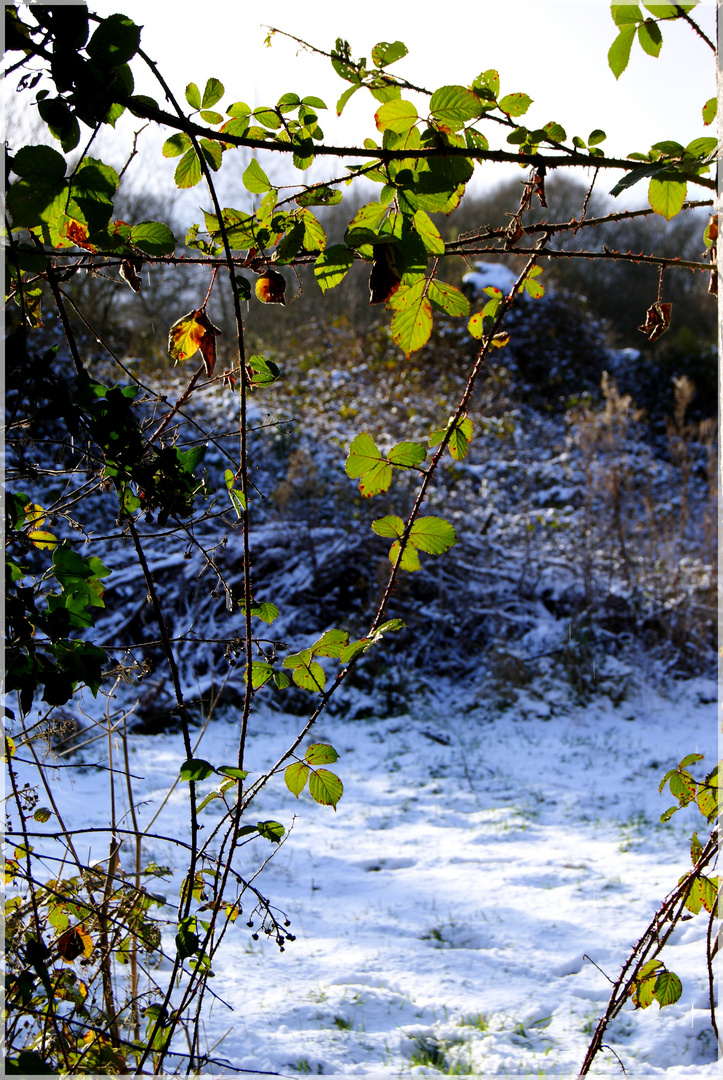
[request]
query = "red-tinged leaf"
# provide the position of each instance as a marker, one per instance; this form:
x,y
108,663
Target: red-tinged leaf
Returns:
x,y
397,115
321,754
710,111
325,787
190,333
411,328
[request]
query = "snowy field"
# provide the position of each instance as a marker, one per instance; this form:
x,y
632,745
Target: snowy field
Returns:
x,y
442,912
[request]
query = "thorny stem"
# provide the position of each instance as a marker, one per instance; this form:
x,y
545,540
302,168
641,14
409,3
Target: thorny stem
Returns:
x,y
648,947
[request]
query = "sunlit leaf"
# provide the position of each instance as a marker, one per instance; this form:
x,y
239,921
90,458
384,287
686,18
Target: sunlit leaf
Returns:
x,y
515,104
667,196
710,111
668,988
332,266
213,92
432,534
448,298
396,115
196,769
411,326
271,830
188,171
295,777
619,52
321,754
325,787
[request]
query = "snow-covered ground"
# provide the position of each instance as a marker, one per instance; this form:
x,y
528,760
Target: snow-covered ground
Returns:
x,y
443,913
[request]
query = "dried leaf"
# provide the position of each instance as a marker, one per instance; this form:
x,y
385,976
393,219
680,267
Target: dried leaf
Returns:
x,y
385,278
657,320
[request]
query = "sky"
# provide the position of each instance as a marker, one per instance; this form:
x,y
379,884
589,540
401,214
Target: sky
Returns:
x,y
555,52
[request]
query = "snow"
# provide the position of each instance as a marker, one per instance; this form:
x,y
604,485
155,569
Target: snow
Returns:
x,y
489,275
444,913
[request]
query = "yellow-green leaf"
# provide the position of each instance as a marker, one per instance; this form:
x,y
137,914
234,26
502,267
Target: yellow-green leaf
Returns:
x,y
325,787
295,777
396,115
667,196
411,327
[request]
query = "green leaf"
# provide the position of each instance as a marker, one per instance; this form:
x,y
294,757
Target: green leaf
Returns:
x,y
667,196
115,41
429,233
209,798
623,14
386,53
196,769
689,760
281,680
650,37
176,145
309,676
265,372
42,814
476,326
388,526
643,995
188,170
448,298
295,777
532,287
363,227
255,179
187,940
233,772
211,117
619,52
325,787
320,754
596,136
432,534
260,673
668,11
454,105
459,439
314,235
555,132
411,327
271,830
396,115
212,152
708,892
153,238
487,85
266,612
710,111
332,643
703,147
193,96
365,460
409,560
213,92
406,455
332,266
668,988
515,104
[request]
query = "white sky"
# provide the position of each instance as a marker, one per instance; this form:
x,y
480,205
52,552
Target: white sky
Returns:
x,y
556,52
